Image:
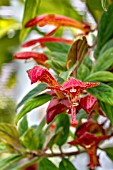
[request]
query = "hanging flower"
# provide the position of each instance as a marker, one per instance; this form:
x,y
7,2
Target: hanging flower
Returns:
x,y
88,137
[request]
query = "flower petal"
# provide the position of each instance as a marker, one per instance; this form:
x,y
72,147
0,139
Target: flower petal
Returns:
x,y
39,73
88,102
56,107
38,57
56,20
46,39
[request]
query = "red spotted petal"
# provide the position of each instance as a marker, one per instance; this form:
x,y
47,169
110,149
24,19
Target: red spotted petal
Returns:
x,y
46,39
39,73
38,57
56,107
56,20
88,102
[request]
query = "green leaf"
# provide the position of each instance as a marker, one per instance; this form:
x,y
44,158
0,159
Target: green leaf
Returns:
x,y
34,92
77,52
11,81
32,104
65,164
29,6
109,152
63,7
3,148
7,162
65,75
104,61
23,126
4,2
107,46
108,109
95,8
82,114
105,31
33,141
9,135
83,72
62,121
57,47
102,76
46,164
103,92
57,66
58,56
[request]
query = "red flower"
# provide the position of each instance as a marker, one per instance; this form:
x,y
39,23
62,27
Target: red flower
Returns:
x,y
90,141
90,104
38,57
46,39
71,89
56,106
39,73
58,21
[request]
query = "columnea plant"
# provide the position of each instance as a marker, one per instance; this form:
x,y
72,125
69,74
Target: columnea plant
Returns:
x,y
75,79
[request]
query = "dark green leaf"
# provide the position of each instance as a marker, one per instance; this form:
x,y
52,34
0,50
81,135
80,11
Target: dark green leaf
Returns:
x,y
65,164
29,6
107,46
57,47
7,162
23,126
34,92
4,2
105,31
9,135
103,92
102,76
109,152
32,104
108,109
104,61
62,121
46,164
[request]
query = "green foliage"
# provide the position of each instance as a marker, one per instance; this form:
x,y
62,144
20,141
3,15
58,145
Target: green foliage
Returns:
x,y
104,61
109,152
32,104
102,76
34,92
107,110
46,164
9,135
103,92
81,61
65,164
105,33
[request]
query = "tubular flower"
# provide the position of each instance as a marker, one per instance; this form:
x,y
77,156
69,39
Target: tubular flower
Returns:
x,y
38,57
46,39
56,20
90,141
